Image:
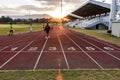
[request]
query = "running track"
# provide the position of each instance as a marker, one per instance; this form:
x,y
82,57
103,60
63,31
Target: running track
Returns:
x,y
65,49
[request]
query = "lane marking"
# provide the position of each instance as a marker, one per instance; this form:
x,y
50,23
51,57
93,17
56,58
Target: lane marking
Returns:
x,y
33,49
71,49
100,49
85,53
108,48
39,57
9,45
18,52
90,48
52,48
63,53
104,43
15,55
13,49
4,48
60,51
14,43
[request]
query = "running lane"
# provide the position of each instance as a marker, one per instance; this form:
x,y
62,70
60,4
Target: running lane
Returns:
x,y
51,57
75,55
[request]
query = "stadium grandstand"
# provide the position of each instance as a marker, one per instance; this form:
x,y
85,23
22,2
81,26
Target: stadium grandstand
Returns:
x,y
91,14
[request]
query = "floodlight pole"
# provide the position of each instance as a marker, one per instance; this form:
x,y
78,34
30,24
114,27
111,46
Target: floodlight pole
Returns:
x,y
30,22
61,15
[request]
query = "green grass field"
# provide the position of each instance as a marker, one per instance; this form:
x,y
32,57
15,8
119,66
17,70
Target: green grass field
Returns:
x,y
67,75
100,34
18,28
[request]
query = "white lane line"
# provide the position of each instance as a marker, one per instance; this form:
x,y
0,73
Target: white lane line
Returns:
x,y
36,64
86,53
63,53
100,49
4,48
15,55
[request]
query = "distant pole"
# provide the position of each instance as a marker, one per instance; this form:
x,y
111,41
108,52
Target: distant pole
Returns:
x,y
61,15
30,21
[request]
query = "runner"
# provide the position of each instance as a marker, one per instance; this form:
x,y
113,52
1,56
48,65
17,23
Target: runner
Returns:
x,y
47,29
10,30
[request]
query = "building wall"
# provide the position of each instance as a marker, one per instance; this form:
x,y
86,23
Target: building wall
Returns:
x,y
116,29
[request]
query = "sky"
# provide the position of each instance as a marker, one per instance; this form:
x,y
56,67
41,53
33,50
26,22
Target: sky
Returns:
x,y
51,7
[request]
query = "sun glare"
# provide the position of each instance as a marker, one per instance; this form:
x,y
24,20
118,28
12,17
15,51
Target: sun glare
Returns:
x,y
57,13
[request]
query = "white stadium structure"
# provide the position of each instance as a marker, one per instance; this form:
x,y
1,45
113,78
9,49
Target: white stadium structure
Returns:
x,y
94,14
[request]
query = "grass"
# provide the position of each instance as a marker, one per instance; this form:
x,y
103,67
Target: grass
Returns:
x,y
100,34
67,75
18,28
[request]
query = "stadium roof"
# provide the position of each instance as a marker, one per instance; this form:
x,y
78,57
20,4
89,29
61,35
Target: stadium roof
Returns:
x,y
90,8
73,16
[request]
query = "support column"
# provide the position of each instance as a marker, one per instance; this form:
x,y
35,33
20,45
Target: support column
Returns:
x,y
112,13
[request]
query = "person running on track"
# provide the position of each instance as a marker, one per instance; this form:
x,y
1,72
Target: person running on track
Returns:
x,y
47,29
10,30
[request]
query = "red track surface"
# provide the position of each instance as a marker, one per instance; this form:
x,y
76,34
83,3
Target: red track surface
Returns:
x,y
69,49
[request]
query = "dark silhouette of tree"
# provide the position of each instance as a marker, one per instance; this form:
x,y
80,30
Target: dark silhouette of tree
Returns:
x,y
4,19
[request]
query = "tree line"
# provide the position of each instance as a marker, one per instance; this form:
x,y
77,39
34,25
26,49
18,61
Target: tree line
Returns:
x,y
7,20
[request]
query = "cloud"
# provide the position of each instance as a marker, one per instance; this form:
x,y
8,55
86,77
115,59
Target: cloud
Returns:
x,y
49,2
39,6
57,3
10,11
35,8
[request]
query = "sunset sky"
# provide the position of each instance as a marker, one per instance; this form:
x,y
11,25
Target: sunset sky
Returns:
x,y
51,7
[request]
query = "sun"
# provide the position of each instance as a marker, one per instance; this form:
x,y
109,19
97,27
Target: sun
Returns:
x,y
57,13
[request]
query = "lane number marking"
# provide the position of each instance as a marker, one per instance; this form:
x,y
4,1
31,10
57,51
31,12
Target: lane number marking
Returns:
x,y
13,49
71,49
32,48
90,48
108,48
52,48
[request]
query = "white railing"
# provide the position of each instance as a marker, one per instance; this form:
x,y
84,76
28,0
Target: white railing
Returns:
x,y
89,22
92,22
